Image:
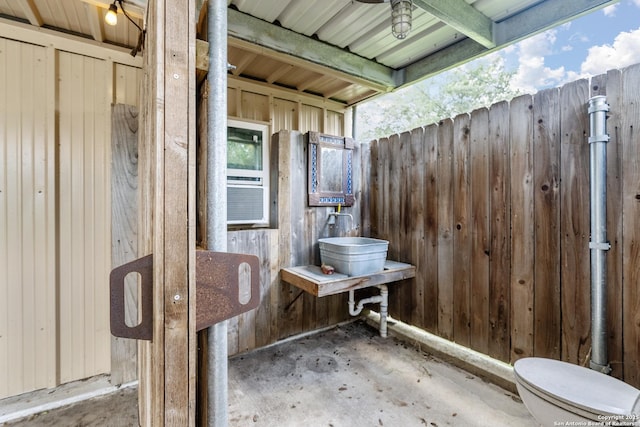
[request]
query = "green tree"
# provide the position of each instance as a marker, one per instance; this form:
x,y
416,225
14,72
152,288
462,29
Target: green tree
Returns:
x,y
464,89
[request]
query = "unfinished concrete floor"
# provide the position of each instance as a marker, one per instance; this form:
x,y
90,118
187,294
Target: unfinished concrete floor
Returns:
x,y
346,376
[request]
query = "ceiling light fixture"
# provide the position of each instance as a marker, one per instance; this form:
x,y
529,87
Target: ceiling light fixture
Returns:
x,y
401,11
401,18
111,18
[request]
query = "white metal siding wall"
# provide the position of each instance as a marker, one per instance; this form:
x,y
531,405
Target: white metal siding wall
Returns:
x,y
84,215
285,115
311,119
335,123
127,88
27,229
55,224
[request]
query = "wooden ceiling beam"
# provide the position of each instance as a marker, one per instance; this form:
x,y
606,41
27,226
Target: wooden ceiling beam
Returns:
x,y
279,72
69,42
336,91
289,63
94,17
243,64
311,82
289,43
544,16
463,17
31,11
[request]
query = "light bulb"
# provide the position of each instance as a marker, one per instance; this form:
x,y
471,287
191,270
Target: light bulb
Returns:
x,y
111,18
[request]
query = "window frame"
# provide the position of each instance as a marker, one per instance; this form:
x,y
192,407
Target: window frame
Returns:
x,y
262,175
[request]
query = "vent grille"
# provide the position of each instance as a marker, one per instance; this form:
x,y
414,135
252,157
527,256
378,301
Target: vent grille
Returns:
x,y
245,204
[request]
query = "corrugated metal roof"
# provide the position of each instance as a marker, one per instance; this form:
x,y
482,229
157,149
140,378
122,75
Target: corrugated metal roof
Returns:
x,y
336,49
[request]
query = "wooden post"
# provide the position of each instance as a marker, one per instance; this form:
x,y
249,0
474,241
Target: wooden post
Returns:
x,y
124,211
167,163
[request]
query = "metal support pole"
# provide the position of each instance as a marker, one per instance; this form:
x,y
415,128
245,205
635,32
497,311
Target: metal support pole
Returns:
x,y
598,245
217,377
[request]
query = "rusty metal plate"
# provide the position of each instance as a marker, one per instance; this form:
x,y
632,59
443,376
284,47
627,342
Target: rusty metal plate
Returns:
x,y
144,330
226,285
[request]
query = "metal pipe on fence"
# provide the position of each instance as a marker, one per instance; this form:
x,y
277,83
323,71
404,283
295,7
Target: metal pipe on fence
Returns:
x,y
598,245
217,375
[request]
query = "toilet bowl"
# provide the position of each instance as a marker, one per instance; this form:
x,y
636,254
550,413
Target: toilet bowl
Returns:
x,y
559,393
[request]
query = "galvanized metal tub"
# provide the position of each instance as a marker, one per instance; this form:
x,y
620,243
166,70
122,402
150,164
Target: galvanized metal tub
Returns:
x,y
354,256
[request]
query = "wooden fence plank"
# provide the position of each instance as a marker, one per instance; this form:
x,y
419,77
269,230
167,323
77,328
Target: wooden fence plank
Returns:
x,y
574,221
289,298
124,230
414,223
374,190
547,216
264,317
395,167
384,160
500,226
630,123
462,310
429,272
522,227
393,208
404,289
364,190
274,293
305,237
234,243
249,242
445,229
480,235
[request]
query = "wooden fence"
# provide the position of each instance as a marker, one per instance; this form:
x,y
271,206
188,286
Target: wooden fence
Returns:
x,y
493,209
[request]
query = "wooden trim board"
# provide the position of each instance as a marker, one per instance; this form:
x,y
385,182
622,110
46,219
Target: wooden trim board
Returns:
x,y
311,279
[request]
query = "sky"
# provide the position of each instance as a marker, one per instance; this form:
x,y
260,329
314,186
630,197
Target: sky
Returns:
x,y
603,40
606,39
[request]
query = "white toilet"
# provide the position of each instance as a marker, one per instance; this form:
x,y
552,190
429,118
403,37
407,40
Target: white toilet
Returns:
x,y
560,393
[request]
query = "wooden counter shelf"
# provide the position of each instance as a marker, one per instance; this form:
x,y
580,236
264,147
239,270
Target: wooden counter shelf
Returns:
x,y
311,279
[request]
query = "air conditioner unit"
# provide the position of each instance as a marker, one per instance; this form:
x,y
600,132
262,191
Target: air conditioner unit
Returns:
x,y
247,204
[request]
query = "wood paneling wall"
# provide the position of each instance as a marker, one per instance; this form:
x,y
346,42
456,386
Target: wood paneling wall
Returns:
x,y
285,110
285,310
299,228
493,209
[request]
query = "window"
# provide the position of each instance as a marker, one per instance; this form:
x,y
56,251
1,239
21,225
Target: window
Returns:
x,y
247,173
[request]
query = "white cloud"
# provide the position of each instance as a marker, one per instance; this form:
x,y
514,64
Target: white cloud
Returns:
x,y
532,73
579,37
610,11
624,51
